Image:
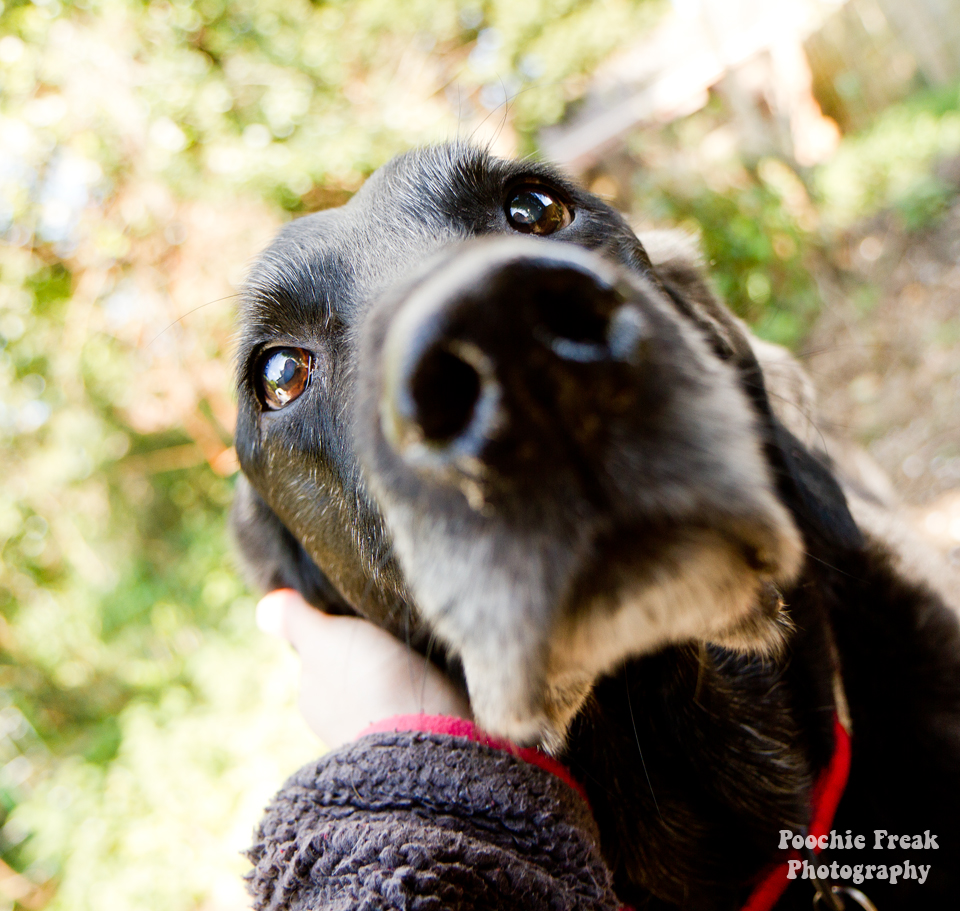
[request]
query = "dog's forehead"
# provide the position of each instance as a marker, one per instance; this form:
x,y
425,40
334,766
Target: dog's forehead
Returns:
x,y
446,181
327,264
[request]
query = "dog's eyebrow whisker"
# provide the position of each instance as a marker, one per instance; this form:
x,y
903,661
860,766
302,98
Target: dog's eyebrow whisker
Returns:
x,y
476,129
459,110
505,105
506,109
183,316
636,734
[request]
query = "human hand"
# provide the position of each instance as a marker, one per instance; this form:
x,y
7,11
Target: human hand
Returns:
x,y
354,673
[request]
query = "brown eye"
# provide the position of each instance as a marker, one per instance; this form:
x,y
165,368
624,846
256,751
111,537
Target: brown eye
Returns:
x,y
284,374
533,210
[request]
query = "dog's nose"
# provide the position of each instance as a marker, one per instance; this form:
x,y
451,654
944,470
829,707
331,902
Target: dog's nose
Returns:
x,y
502,340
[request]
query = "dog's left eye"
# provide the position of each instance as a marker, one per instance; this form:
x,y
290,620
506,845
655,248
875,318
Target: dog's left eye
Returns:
x,y
284,374
534,210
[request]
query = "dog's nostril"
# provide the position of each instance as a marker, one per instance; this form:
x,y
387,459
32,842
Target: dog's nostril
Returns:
x,y
445,390
573,316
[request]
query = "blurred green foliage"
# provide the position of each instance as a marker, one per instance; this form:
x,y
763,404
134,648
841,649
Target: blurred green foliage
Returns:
x,y
893,164
147,151
759,250
755,220
767,228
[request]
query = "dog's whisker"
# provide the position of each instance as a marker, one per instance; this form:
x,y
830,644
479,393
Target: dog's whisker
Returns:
x,y
410,651
701,671
804,413
830,566
636,735
810,353
423,682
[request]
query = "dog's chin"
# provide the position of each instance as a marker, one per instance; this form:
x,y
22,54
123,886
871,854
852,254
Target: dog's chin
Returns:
x,y
701,591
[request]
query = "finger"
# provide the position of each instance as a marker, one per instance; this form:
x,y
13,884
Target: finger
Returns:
x,y
271,610
317,636
284,613
354,672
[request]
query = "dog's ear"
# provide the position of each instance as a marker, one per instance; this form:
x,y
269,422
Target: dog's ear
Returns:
x,y
678,265
803,471
779,389
273,558
812,493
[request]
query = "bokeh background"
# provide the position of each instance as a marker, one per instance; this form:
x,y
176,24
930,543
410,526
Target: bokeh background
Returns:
x,y
149,149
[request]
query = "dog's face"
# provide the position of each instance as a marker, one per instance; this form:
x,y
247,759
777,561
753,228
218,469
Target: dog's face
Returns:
x,y
487,416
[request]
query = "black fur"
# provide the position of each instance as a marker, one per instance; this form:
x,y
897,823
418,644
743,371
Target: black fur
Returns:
x,y
693,755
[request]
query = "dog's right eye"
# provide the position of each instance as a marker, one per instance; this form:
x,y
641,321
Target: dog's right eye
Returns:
x,y
532,209
283,375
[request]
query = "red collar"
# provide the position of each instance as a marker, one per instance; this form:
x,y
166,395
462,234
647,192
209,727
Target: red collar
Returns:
x,y
826,796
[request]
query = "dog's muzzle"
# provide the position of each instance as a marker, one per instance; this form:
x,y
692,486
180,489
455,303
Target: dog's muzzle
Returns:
x,y
568,475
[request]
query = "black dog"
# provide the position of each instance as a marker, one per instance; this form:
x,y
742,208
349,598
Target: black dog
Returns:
x,y
563,469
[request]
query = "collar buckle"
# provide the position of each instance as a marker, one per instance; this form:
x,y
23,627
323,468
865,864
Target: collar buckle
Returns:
x,y
832,896
854,895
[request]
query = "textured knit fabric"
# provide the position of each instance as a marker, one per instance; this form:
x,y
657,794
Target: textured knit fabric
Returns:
x,y
419,821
